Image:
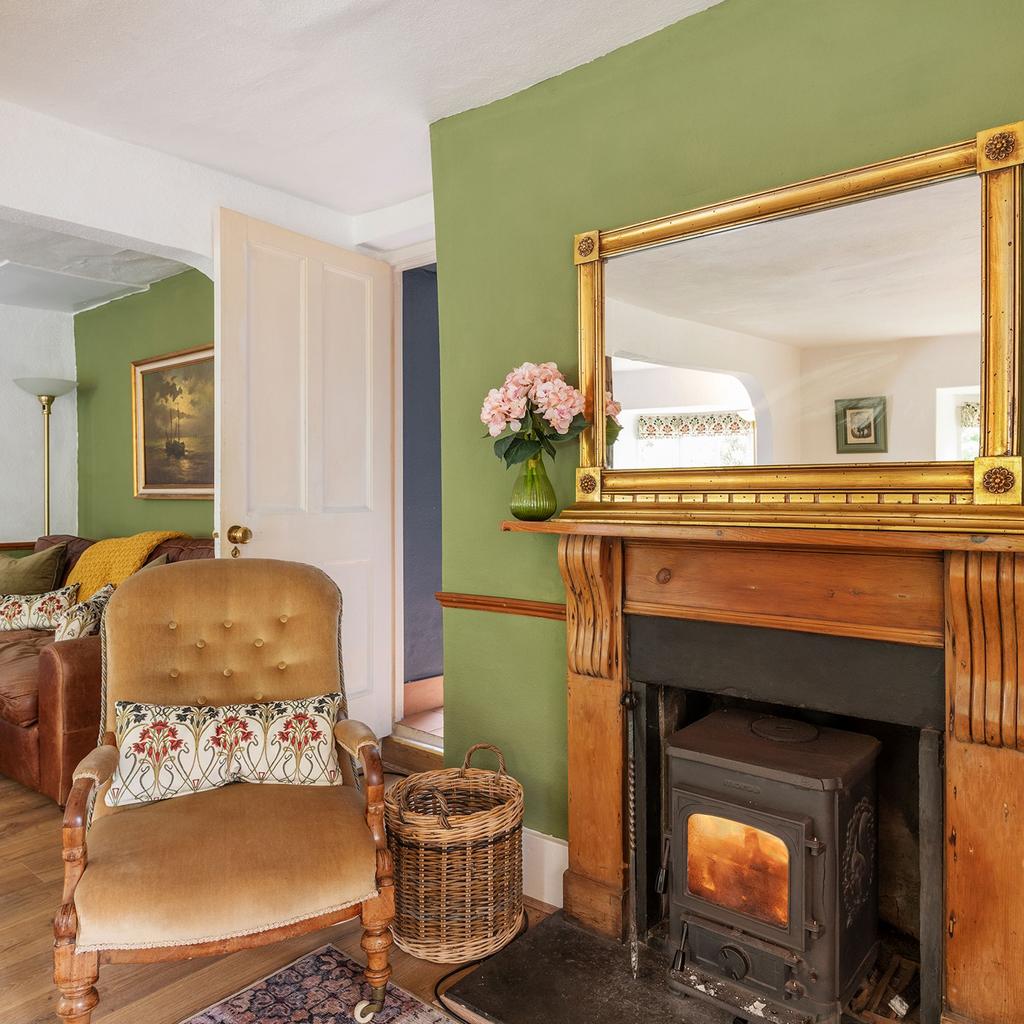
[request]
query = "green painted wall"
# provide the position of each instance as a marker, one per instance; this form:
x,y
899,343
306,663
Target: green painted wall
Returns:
x,y
173,314
745,96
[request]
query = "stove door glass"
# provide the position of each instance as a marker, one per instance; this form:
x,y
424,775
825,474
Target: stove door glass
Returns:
x,y
738,867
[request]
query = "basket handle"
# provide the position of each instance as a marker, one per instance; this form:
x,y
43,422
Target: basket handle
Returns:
x,y
443,809
484,746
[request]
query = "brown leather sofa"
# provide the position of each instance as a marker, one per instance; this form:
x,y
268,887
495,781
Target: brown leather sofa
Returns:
x,y
50,693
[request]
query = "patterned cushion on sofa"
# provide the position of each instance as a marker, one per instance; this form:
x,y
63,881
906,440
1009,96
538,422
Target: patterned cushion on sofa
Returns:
x,y
84,619
173,750
36,611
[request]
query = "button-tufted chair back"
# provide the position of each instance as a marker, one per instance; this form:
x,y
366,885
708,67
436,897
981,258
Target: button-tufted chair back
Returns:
x,y
222,631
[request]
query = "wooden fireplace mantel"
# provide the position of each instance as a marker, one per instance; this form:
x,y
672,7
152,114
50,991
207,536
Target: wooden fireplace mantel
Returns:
x,y
960,591
866,539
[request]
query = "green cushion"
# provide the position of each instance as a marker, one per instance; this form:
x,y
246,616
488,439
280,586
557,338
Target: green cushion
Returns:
x,y
32,574
159,560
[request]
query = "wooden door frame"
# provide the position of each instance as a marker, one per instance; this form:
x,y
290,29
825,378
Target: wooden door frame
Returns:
x,y
421,255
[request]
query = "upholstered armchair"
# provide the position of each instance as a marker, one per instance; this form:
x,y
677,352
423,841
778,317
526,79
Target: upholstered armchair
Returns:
x,y
244,864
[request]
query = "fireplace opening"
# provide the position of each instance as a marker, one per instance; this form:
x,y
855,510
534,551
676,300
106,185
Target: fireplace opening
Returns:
x,y
779,879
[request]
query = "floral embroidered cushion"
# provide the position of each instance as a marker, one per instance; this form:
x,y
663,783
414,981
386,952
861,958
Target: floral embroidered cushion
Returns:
x,y
289,741
36,611
173,750
84,619
164,751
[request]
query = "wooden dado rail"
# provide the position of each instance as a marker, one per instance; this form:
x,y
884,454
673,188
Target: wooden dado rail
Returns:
x,y
962,592
506,605
17,545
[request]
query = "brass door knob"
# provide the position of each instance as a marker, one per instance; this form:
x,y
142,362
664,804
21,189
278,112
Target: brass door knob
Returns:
x,y
239,534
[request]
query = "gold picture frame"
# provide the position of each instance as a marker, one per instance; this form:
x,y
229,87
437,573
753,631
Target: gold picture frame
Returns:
x,y
173,401
939,496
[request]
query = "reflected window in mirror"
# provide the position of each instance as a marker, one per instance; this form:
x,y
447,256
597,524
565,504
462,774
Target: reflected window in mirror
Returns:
x,y
958,423
680,417
734,348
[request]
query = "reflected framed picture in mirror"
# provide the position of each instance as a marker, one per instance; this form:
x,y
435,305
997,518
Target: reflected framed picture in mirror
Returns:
x,y
861,426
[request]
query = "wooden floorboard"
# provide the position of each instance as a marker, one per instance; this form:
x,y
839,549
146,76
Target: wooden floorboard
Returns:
x,y
30,884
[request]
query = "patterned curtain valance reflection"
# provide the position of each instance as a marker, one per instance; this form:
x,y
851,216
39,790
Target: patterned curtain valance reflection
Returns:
x,y
970,414
693,424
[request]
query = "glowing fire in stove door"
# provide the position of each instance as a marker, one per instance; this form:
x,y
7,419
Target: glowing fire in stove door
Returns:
x,y
738,867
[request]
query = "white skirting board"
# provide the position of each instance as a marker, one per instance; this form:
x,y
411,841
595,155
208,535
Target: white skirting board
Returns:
x,y
545,859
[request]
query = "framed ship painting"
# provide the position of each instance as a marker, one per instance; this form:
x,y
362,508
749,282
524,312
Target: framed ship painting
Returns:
x,y
172,424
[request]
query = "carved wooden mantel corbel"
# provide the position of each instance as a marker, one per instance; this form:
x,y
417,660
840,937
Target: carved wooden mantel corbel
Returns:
x,y
984,792
595,883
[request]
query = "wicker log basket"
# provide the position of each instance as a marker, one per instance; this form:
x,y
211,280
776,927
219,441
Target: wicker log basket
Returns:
x,y
456,837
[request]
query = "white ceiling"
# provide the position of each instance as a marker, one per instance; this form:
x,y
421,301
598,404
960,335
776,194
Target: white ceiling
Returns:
x,y
901,266
46,269
329,100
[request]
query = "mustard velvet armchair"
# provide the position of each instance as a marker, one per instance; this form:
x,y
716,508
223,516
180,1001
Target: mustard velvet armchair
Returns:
x,y
240,866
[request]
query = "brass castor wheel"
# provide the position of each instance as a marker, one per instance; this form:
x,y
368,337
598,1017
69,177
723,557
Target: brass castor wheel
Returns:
x,y
365,1011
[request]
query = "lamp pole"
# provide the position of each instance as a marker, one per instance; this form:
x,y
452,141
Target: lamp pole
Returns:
x,y
46,389
46,401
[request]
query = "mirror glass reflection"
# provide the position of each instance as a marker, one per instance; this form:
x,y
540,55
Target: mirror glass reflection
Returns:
x,y
850,334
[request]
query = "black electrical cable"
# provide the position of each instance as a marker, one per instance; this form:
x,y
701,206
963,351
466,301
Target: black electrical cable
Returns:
x,y
439,998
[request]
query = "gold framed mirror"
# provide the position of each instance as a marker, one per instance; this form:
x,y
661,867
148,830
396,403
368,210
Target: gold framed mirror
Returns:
x,y
842,351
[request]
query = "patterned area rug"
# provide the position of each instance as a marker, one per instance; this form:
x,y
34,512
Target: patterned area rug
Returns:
x,y
321,987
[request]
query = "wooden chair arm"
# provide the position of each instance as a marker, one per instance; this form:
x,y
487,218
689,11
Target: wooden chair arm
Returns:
x,y
373,786
358,740
93,770
76,812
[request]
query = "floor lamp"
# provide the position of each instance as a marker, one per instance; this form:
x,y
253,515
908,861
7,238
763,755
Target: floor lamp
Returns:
x,y
46,389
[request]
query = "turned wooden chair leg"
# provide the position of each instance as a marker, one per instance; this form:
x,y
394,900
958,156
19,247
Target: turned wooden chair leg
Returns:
x,y
75,975
377,916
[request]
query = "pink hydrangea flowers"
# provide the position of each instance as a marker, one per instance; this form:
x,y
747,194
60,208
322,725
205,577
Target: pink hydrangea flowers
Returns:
x,y
501,412
557,402
541,385
538,406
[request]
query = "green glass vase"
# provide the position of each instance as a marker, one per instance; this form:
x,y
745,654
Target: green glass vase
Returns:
x,y
533,497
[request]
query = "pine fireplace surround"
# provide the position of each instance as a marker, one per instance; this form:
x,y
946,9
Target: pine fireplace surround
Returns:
x,y
957,591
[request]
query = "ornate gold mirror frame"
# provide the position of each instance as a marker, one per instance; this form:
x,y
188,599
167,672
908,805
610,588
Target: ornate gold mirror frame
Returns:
x,y
961,496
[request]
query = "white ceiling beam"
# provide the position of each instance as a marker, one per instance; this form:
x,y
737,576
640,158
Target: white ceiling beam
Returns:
x,y
67,178
395,227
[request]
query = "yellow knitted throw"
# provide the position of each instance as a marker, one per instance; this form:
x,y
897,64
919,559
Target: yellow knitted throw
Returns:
x,y
114,560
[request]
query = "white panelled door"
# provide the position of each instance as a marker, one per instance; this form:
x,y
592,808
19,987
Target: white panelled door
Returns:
x,y
304,358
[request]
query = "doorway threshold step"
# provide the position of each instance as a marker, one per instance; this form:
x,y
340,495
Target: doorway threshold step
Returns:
x,y
405,755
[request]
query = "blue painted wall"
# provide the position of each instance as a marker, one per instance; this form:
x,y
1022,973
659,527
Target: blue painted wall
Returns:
x,y
421,473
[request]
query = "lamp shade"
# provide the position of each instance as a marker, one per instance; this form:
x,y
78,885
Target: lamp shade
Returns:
x,y
42,386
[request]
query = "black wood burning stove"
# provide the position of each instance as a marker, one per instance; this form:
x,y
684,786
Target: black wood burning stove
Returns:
x,y
774,884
